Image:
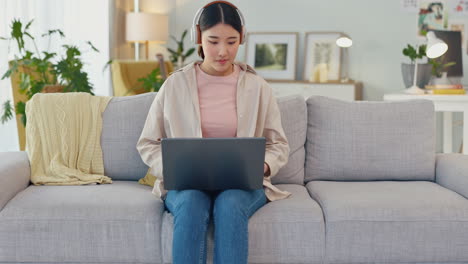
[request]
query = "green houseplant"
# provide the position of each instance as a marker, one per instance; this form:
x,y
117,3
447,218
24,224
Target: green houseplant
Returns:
x,y
414,54
153,81
37,70
407,69
438,68
178,55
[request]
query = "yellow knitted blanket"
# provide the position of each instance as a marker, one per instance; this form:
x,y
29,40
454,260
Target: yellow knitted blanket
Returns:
x,y
63,138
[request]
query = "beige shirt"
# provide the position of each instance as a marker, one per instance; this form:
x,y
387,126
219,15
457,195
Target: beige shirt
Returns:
x,y
175,112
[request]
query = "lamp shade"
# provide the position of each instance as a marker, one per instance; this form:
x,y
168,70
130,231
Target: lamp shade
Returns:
x,y
435,46
344,41
141,27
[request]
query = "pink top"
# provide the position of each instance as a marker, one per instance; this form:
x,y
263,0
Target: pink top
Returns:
x,y
218,109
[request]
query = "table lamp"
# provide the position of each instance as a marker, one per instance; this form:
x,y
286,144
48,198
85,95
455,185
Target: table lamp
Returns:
x,y
344,42
146,27
434,49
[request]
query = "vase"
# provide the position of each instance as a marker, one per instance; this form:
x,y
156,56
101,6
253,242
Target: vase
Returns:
x,y
440,80
424,74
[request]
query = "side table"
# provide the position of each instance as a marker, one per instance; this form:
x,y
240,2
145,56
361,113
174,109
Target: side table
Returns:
x,y
446,104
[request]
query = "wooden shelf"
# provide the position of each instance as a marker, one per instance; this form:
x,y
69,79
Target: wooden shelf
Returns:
x,y
349,91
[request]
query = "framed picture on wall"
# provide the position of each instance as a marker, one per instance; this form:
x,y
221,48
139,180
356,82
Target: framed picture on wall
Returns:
x,y
322,61
272,54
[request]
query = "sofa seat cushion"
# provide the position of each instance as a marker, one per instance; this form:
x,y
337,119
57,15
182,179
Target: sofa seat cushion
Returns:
x,y
392,222
118,222
285,231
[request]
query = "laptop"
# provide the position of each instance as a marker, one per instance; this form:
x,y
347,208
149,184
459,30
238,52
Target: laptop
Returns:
x,y
213,163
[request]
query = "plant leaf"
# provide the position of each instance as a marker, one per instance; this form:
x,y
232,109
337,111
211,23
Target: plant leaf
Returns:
x,y
91,45
54,31
29,35
25,82
7,112
448,64
172,51
20,107
17,33
12,69
189,52
107,65
29,24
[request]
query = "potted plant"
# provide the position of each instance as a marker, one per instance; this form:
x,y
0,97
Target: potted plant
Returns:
x,y
43,71
153,81
178,56
407,69
439,73
33,71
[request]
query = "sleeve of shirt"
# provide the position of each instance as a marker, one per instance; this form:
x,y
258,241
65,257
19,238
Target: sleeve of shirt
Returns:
x,y
277,147
149,143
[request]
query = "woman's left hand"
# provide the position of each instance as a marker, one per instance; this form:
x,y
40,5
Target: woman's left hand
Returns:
x,y
266,169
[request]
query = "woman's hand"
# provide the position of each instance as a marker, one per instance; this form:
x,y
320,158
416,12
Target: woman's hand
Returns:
x,y
266,169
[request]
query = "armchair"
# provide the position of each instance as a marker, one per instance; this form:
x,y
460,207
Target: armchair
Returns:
x,y
125,75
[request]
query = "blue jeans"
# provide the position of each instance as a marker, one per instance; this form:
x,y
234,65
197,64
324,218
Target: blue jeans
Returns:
x,y
231,212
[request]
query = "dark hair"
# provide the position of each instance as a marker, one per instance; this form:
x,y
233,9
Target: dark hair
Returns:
x,y
219,13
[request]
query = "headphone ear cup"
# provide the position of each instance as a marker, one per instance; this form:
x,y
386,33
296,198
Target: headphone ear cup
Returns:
x,y
243,35
192,35
198,34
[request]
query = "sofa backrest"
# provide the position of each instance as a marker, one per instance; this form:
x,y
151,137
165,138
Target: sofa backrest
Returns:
x,y
294,120
124,118
367,141
122,123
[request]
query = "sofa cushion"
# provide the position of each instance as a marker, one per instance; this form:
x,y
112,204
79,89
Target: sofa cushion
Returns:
x,y
294,121
285,231
365,141
123,121
392,222
113,223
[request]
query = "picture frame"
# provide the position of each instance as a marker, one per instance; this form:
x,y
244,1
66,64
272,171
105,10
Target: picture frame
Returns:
x,y
322,61
273,55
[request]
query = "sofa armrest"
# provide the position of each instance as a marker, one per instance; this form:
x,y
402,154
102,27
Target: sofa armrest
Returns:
x,y
15,174
452,172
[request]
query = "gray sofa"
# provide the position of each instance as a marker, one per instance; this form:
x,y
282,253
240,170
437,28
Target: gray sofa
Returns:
x,y
367,188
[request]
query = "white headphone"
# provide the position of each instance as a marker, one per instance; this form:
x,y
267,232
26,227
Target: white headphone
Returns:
x,y
196,32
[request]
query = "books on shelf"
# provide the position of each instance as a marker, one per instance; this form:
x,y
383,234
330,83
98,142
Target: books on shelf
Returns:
x,y
444,86
445,89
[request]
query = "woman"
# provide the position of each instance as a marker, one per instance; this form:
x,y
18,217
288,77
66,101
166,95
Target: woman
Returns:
x,y
215,97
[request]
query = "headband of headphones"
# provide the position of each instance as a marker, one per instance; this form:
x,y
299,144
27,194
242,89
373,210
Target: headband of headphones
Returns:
x,y
196,32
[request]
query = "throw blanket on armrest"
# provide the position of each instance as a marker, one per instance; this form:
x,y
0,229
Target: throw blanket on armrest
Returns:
x,y
63,138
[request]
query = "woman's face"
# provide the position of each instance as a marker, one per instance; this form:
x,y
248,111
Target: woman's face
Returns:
x,y
220,44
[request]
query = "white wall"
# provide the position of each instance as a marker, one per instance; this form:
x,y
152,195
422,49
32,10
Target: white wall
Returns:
x,y
380,30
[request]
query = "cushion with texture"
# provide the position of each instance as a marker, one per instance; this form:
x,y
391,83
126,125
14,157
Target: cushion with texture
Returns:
x,y
365,141
392,222
294,121
123,121
109,223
